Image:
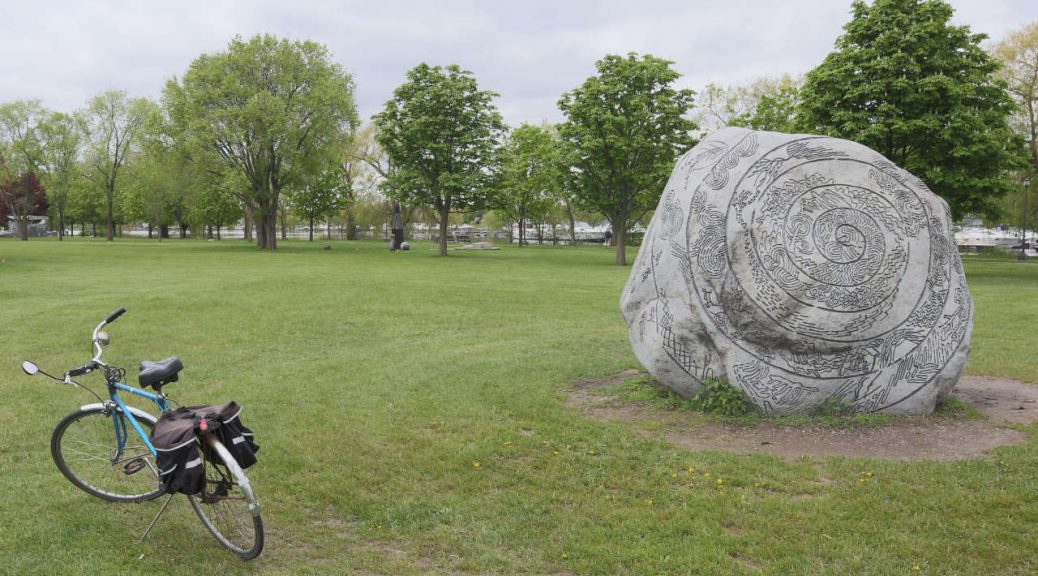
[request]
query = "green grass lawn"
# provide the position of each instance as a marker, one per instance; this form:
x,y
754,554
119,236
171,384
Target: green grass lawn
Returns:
x,y
411,418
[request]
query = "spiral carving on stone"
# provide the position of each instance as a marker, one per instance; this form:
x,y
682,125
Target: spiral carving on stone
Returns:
x,y
808,270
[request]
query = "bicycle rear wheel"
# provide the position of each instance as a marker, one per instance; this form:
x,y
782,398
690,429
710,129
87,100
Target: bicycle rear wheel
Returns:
x,y
228,507
85,449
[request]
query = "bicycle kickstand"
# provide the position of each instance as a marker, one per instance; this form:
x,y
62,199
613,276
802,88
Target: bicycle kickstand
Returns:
x,y
156,519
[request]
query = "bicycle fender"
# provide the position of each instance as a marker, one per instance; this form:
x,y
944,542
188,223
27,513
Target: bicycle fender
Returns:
x,y
137,412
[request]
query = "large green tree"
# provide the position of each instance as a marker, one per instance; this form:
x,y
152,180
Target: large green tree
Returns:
x,y
62,139
907,83
271,108
113,123
441,134
1018,54
21,158
626,126
325,194
531,176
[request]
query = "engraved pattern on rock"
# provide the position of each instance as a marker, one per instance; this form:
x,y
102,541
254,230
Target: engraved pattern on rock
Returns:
x,y
801,269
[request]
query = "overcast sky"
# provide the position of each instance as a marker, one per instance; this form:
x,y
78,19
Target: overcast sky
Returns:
x,y
529,52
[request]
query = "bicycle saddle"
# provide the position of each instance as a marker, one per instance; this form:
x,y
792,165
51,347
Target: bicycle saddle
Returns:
x,y
158,374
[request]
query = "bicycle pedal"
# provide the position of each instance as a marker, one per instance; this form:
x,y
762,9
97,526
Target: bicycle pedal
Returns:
x,y
134,466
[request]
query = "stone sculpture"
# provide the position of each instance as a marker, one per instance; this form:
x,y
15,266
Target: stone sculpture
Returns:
x,y
804,270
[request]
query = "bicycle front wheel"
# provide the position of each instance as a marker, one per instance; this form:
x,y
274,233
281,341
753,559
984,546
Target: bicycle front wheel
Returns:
x,y
228,507
85,448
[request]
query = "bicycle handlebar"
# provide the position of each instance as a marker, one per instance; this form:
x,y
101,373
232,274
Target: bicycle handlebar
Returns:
x,y
115,315
96,360
85,369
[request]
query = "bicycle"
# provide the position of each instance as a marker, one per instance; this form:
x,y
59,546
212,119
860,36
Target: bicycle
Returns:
x,y
95,450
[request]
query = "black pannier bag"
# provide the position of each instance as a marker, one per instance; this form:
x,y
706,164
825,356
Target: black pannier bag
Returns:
x,y
180,467
180,464
225,422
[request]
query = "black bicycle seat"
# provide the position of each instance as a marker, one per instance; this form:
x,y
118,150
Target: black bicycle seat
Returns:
x,y
158,374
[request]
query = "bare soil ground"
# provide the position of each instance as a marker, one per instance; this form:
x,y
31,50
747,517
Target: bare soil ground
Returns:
x,y
905,438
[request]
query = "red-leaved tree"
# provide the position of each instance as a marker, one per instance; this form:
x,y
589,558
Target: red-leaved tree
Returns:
x,y
22,197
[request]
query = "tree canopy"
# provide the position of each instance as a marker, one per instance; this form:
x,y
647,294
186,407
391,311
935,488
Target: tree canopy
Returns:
x,y
271,108
113,122
531,175
1018,54
625,127
763,104
906,82
62,139
441,133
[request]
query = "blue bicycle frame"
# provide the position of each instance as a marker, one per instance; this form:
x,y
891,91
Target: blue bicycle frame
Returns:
x,y
127,412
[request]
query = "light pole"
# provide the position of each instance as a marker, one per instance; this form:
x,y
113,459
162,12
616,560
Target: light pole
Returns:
x,y
1023,229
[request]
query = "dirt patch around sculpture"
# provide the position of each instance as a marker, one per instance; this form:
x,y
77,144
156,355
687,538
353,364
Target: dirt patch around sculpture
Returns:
x,y
1002,402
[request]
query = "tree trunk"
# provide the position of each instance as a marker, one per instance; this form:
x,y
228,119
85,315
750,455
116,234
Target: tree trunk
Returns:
x,y
183,230
110,189
267,227
23,227
620,237
217,232
572,225
351,222
150,228
248,222
444,213
284,222
61,224
163,231
311,229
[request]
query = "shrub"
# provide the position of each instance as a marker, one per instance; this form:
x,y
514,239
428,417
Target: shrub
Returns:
x,y
719,397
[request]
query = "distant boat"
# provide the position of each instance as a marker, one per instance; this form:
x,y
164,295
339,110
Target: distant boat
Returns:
x,y
976,239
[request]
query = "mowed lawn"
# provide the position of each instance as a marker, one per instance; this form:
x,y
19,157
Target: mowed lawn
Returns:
x,y
412,420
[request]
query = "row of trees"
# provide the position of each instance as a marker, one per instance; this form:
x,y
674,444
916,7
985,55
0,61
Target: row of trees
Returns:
x,y
271,124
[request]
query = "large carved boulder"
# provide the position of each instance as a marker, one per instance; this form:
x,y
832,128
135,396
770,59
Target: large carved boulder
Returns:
x,y
804,270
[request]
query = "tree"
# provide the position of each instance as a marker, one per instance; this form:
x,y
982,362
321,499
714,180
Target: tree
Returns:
x,y
1018,54
440,132
531,175
324,195
216,205
907,83
112,122
22,197
763,104
62,141
625,127
272,109
20,123
364,166
86,201
21,156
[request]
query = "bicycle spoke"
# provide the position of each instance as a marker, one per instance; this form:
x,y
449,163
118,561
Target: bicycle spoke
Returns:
x,y
84,447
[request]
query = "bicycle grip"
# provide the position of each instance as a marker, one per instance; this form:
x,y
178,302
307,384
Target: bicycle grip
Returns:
x,y
82,369
114,315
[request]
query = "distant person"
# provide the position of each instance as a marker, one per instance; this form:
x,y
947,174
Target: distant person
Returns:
x,y
607,241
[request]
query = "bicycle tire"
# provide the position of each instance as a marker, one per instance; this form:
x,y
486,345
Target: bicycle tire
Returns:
x,y
228,506
83,446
